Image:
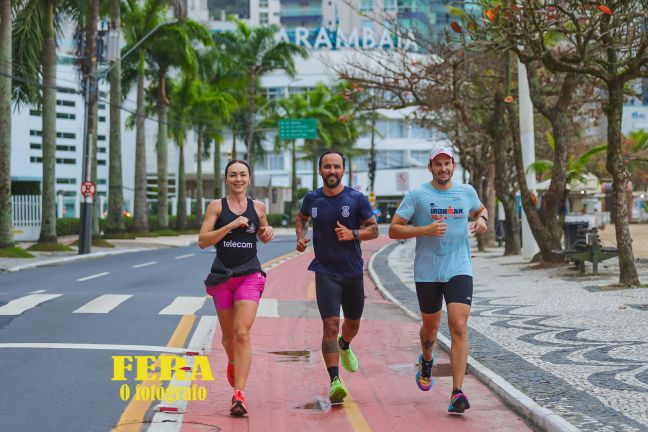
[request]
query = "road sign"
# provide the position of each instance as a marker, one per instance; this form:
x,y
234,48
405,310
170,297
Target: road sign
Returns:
x,y
298,128
402,181
88,189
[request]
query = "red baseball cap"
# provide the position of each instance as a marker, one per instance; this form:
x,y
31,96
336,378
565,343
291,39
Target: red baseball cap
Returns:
x,y
441,151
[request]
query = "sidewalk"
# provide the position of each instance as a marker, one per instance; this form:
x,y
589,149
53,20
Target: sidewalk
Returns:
x,y
288,384
121,246
565,340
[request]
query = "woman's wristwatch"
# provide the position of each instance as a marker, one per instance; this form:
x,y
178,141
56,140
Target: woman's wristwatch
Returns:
x,y
484,217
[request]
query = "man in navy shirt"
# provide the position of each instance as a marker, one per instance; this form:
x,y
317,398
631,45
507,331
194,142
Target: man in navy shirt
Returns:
x,y
341,218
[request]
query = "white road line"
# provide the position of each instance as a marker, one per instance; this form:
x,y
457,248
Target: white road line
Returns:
x,y
20,305
268,308
110,347
184,256
146,264
184,305
38,292
94,276
103,304
200,341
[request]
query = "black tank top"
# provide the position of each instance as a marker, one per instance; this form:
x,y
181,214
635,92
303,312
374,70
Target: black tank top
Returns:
x,y
239,246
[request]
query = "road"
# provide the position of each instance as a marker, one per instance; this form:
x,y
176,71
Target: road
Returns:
x,y
129,304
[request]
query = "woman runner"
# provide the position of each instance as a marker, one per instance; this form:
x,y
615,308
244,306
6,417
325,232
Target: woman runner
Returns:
x,y
236,281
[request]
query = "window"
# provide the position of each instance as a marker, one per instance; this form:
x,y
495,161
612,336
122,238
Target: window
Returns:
x,y
275,92
389,159
361,163
263,4
36,113
101,137
102,119
101,149
60,161
304,165
420,156
71,148
36,159
390,5
102,106
366,5
69,193
35,133
65,103
35,146
101,162
66,181
271,162
263,17
421,132
102,181
66,116
66,135
391,128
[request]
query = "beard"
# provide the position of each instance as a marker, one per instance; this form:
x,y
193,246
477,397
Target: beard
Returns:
x,y
444,181
331,181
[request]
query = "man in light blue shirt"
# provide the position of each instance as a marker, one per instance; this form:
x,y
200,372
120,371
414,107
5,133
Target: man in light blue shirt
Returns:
x,y
438,212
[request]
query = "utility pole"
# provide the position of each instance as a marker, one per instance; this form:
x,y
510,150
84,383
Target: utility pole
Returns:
x,y
90,94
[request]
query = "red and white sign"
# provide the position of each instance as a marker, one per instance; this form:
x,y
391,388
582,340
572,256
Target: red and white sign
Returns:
x,y
88,189
402,181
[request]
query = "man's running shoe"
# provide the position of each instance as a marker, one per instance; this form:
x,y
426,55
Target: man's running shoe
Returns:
x,y
230,373
348,358
424,379
239,407
458,401
337,392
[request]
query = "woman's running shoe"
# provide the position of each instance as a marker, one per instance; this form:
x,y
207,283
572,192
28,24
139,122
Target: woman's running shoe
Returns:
x,y
239,407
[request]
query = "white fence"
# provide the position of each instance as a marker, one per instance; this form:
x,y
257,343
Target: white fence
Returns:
x,y
26,216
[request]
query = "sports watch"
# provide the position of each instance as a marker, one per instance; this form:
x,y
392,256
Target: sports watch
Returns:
x,y
356,234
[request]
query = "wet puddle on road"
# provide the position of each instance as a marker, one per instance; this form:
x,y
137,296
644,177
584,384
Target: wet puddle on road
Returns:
x,y
320,404
292,356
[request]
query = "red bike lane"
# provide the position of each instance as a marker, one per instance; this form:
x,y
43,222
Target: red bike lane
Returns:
x,y
288,385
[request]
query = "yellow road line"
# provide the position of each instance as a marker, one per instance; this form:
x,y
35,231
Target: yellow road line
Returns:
x,y
354,415
133,416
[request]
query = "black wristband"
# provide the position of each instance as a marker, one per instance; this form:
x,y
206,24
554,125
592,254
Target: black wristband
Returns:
x,y
484,217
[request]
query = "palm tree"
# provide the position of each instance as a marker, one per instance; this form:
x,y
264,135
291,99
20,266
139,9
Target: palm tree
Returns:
x,y
35,56
172,47
115,191
257,52
139,20
6,225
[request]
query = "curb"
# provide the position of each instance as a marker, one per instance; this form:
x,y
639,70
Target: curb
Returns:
x,y
539,416
73,258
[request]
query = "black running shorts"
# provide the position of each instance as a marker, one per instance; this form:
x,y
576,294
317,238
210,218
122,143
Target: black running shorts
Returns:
x,y
458,289
335,291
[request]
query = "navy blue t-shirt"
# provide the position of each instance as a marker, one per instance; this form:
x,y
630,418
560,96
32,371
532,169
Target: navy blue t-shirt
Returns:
x,y
350,208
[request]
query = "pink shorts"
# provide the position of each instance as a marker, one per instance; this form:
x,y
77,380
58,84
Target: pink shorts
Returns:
x,y
248,287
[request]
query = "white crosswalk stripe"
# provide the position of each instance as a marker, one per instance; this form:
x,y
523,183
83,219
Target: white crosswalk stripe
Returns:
x,y
22,304
184,305
103,304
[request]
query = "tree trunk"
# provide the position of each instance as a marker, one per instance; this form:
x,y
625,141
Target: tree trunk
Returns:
x,y
233,144
315,166
115,190
372,153
97,211
350,162
48,206
199,178
181,218
249,133
162,155
6,223
491,205
140,205
218,180
614,110
477,183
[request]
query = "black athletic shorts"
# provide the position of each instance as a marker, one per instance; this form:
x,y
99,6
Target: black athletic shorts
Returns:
x,y
335,291
458,289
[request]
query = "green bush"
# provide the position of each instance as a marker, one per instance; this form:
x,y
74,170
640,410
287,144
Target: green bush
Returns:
x,y
274,219
67,226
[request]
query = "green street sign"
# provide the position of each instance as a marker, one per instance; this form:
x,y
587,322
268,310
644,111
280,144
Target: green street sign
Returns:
x,y
298,128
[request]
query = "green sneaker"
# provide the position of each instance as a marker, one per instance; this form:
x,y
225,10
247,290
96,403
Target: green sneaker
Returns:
x,y
337,392
348,358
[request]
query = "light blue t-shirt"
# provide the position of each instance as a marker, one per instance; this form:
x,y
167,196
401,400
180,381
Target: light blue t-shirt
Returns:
x,y
438,259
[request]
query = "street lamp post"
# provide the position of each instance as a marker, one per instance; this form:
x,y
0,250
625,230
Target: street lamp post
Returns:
x,y
90,95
